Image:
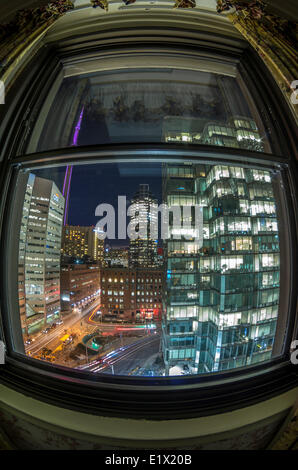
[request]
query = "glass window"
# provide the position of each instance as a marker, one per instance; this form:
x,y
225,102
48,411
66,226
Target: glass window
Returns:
x,y
218,291
153,105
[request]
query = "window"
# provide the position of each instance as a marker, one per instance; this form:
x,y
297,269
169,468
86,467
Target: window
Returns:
x,y
212,283
146,104
227,303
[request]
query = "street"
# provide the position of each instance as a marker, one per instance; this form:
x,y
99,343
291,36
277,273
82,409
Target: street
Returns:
x,y
51,340
125,359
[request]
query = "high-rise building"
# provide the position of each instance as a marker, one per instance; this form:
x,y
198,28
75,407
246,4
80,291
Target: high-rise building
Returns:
x,y
80,242
143,250
27,183
221,299
237,132
39,253
116,257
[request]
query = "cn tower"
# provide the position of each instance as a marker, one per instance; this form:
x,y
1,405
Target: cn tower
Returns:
x,y
69,168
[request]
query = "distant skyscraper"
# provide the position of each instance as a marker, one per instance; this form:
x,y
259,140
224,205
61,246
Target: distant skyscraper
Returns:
x,y
143,250
82,241
39,253
116,257
221,300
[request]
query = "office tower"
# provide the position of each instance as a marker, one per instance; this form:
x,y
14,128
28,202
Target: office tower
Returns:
x,y
27,183
80,242
39,253
116,257
247,133
237,132
221,299
143,250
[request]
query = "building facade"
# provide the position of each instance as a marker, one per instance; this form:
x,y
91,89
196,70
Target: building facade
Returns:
x,y
131,294
81,242
143,251
39,253
116,257
221,299
80,284
236,132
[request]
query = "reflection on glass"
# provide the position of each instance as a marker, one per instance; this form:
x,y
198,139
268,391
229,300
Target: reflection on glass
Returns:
x,y
152,105
149,306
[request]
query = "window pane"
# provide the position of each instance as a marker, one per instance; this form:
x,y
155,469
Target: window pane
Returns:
x,y
152,105
101,290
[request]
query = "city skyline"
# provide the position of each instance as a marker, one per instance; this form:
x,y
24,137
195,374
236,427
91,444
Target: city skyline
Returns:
x,y
203,322
116,179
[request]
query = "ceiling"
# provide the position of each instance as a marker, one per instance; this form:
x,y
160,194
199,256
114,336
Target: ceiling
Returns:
x,y
286,8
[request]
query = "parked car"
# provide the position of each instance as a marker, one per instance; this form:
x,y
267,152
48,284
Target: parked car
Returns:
x,y
59,322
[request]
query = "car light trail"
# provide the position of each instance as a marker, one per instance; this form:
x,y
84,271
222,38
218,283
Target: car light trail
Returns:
x,y
117,356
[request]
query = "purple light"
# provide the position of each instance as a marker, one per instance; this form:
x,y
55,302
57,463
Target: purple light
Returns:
x,y
69,168
77,129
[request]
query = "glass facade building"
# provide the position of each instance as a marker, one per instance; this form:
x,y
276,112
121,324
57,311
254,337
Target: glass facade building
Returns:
x,y
142,248
221,299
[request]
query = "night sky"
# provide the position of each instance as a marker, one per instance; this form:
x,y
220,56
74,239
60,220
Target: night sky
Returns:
x,y
103,122
103,183
100,120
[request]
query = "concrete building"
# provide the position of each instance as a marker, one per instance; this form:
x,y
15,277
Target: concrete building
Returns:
x,y
116,257
28,184
79,285
39,254
80,242
133,295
